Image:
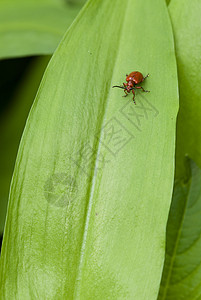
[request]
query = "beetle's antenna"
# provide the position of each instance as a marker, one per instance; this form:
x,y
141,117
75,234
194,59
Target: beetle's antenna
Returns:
x,y
118,86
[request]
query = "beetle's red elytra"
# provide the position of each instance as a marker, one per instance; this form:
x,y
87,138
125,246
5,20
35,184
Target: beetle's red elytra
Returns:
x,y
133,79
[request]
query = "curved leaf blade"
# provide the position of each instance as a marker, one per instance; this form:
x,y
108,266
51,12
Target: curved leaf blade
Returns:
x,y
103,237
12,125
28,28
181,274
185,17
182,271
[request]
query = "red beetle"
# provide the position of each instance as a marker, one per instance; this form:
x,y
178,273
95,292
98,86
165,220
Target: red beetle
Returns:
x,y
132,80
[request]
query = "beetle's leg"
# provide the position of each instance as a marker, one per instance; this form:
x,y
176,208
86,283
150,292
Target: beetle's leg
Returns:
x,y
133,96
125,93
140,87
145,77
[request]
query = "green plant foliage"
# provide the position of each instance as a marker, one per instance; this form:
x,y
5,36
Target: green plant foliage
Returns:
x,y
31,28
182,270
93,180
185,18
12,125
182,273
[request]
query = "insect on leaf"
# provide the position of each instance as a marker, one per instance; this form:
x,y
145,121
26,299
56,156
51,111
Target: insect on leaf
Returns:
x,y
93,179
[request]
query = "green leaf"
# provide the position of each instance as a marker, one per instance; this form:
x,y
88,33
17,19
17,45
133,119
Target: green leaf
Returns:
x,y
185,18
31,28
182,270
93,180
12,125
181,274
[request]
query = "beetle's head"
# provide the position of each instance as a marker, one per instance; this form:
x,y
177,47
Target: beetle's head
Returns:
x,y
129,85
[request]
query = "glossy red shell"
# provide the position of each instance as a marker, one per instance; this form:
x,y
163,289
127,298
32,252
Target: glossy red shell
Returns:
x,y
136,77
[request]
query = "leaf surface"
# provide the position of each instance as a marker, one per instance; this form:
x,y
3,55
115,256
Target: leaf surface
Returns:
x,y
182,270
33,28
185,17
93,179
12,124
181,274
